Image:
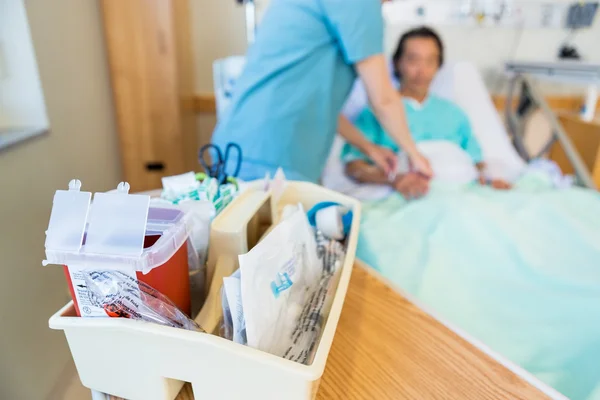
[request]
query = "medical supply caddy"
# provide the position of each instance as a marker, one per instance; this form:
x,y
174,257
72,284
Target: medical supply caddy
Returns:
x,y
143,361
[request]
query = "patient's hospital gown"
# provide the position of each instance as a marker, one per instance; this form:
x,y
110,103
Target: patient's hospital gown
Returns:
x,y
434,119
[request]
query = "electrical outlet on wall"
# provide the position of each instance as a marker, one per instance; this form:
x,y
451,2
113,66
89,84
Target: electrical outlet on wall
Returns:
x,y
553,15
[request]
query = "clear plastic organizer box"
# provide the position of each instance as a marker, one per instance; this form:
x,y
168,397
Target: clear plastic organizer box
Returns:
x,y
143,361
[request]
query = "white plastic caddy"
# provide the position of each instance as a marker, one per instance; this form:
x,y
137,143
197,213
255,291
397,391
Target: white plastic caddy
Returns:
x,y
143,361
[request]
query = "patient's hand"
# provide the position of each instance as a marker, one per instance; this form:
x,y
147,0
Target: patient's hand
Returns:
x,y
500,184
412,185
383,157
496,183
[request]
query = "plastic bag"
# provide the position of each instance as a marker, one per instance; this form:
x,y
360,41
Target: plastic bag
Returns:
x,y
121,295
306,333
234,322
198,216
308,327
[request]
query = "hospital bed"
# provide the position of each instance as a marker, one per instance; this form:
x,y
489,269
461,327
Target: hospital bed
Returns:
x,y
503,145
516,270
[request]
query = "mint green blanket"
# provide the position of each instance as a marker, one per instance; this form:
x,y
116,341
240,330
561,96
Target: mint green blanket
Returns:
x,y
518,270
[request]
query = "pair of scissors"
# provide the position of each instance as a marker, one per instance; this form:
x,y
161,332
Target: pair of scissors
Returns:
x,y
218,167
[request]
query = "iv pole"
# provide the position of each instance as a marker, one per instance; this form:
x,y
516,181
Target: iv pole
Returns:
x,y
250,6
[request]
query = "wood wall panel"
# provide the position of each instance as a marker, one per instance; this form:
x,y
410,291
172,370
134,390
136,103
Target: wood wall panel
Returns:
x,y
149,50
204,103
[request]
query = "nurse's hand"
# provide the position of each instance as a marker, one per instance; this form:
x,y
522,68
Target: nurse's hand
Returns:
x,y
421,164
411,186
384,158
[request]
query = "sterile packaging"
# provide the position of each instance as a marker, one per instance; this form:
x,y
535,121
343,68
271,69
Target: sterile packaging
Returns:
x,y
276,277
120,295
308,327
233,311
302,333
201,201
178,184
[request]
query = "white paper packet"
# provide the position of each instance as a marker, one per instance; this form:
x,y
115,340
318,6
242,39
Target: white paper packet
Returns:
x,y
276,277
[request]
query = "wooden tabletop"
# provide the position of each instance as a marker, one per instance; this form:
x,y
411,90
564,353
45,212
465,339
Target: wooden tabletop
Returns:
x,y
387,348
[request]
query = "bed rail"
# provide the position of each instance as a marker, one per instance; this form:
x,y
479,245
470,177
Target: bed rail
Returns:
x,y
528,101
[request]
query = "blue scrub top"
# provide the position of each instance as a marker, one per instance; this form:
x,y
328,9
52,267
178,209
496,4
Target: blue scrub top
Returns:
x,y
298,74
435,119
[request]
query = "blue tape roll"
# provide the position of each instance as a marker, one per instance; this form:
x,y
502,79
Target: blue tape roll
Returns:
x,y
346,218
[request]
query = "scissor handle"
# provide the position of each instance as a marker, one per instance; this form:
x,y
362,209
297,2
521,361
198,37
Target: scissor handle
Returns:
x,y
214,169
238,164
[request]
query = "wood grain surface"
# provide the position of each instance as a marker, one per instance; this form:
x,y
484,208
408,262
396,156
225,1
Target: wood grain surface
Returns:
x,y
586,139
148,43
387,348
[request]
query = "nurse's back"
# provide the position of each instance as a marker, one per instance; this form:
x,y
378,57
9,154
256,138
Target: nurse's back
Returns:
x,y
297,77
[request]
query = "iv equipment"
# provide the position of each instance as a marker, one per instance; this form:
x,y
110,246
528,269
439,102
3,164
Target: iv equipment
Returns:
x,y
485,13
250,6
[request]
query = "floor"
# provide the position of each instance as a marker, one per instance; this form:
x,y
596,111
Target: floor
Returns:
x,y
69,387
76,391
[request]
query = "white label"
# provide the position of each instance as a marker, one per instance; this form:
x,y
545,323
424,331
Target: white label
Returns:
x,y
82,293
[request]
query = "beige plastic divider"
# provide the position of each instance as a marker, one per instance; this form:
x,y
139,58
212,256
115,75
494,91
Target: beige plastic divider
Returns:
x,y
143,361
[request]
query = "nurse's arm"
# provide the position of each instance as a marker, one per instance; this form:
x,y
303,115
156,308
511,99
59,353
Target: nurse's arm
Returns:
x,y
382,157
387,105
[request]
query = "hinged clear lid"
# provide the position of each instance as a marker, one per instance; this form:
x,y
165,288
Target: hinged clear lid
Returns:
x,y
111,230
117,223
68,218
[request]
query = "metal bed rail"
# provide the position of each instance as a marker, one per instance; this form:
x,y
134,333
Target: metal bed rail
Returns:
x,y
530,100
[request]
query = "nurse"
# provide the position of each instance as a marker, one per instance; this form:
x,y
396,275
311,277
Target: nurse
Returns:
x,y
285,106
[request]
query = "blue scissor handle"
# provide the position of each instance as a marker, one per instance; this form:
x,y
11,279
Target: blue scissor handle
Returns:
x,y
215,168
218,167
238,164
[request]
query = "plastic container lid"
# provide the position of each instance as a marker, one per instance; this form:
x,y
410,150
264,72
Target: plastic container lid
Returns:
x,y
110,231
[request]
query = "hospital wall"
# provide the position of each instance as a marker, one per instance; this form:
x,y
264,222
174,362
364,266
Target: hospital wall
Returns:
x,y
218,30
490,47
487,47
68,42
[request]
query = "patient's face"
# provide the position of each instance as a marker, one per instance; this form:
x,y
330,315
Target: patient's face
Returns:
x,y
419,64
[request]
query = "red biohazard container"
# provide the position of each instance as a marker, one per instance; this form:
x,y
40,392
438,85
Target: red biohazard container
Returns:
x,y
118,231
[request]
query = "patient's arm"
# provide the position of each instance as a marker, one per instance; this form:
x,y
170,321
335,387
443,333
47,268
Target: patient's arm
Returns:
x,y
411,185
365,172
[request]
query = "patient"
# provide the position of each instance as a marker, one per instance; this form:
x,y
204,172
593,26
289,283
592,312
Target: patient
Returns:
x,y
430,118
